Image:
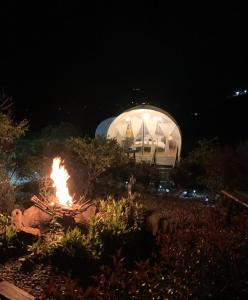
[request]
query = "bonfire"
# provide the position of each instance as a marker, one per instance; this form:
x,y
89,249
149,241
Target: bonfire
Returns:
x,y
61,205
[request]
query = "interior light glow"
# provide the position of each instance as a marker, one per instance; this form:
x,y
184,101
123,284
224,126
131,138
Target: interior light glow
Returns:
x,y
146,116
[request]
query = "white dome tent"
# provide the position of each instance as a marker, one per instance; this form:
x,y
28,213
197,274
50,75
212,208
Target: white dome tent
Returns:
x,y
103,127
148,133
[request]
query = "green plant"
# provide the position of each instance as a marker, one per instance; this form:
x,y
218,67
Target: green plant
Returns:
x,y
10,131
7,192
95,156
41,248
120,216
92,241
10,234
4,223
114,215
6,229
71,242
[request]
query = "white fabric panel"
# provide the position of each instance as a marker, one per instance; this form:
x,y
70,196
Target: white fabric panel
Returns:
x,y
151,125
136,125
122,128
167,128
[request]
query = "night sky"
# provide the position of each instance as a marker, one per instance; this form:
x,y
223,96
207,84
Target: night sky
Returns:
x,y
68,62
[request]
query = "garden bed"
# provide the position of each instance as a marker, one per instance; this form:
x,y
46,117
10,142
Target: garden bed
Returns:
x,y
196,257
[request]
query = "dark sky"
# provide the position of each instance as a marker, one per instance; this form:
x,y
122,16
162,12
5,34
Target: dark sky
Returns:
x,y
69,62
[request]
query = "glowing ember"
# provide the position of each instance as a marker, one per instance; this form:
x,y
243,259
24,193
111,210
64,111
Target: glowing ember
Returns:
x,y
60,176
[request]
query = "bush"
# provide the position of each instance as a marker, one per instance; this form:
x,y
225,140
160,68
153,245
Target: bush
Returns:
x,y
204,260
105,232
94,157
10,245
7,194
7,232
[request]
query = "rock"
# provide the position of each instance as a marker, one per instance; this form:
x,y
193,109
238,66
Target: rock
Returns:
x,y
34,217
31,217
155,222
16,219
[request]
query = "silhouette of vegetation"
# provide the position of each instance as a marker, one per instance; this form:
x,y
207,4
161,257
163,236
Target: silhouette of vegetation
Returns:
x,y
214,167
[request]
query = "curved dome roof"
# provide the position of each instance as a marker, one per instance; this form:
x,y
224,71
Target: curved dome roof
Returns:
x,y
151,107
103,127
149,132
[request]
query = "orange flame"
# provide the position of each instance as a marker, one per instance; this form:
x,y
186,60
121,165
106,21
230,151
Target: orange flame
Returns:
x,y
60,176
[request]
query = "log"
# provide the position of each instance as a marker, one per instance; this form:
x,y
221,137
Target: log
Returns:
x,y
12,292
234,198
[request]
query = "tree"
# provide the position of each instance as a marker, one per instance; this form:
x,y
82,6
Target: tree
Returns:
x,y
36,154
95,156
214,167
191,171
9,132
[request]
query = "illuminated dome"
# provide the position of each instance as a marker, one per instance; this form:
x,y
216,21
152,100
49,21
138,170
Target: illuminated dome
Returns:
x,y
148,134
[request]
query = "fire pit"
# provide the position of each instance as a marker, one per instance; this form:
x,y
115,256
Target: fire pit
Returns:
x,y
62,205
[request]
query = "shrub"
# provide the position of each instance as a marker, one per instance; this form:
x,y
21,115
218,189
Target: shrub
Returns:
x,y
105,231
7,194
7,232
120,216
9,241
95,157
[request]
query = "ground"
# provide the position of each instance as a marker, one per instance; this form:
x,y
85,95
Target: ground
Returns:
x,y
37,277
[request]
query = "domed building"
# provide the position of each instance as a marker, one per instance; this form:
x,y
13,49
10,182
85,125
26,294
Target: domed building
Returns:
x,y
103,127
147,133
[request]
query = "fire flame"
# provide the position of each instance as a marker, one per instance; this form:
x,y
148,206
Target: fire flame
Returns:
x,y
60,176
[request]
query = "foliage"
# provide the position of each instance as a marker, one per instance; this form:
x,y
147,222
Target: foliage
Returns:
x,y
119,216
40,248
92,241
60,131
7,193
198,257
214,167
35,157
71,290
8,235
10,131
95,156
71,242
116,178
115,219
36,153
114,215
4,222
86,159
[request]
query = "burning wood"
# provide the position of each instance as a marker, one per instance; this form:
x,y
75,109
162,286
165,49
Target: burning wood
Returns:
x,y
63,206
59,211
